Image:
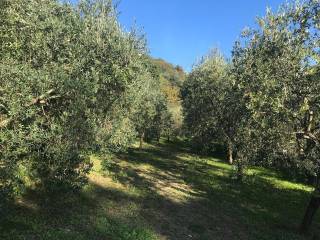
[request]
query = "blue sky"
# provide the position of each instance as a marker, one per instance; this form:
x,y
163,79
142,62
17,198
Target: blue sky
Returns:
x,y
181,31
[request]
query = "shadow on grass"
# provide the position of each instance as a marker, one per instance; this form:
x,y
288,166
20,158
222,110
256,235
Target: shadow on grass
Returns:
x,y
255,209
73,216
213,207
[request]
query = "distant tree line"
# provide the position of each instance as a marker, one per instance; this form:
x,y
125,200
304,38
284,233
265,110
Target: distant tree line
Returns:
x,y
264,104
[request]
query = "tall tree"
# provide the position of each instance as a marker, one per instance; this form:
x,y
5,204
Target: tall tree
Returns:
x,y
70,79
212,104
278,71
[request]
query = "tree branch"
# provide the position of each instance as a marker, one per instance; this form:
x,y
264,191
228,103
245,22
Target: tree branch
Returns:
x,y
4,123
43,99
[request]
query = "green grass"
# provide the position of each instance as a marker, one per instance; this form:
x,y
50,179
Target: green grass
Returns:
x,y
165,192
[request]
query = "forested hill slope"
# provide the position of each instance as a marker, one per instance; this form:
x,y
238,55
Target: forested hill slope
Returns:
x,y
175,75
171,80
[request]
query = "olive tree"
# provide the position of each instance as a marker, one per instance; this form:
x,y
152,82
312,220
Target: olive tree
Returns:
x,y
70,79
45,125
277,70
212,104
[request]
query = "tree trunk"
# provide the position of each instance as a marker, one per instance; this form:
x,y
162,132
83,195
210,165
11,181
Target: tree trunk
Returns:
x,y
240,173
239,163
141,140
310,211
230,153
314,202
168,138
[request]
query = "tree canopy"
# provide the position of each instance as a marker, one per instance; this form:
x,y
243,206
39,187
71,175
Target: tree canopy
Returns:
x,y
72,81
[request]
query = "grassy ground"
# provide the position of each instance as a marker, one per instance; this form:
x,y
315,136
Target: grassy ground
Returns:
x,y
165,192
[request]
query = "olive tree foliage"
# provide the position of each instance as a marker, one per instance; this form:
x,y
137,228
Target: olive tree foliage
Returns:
x,y
69,79
147,116
44,118
116,65
166,126
198,93
277,69
213,107
162,121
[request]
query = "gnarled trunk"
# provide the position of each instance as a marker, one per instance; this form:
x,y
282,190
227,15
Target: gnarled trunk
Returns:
x,y
141,140
311,210
230,153
314,202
